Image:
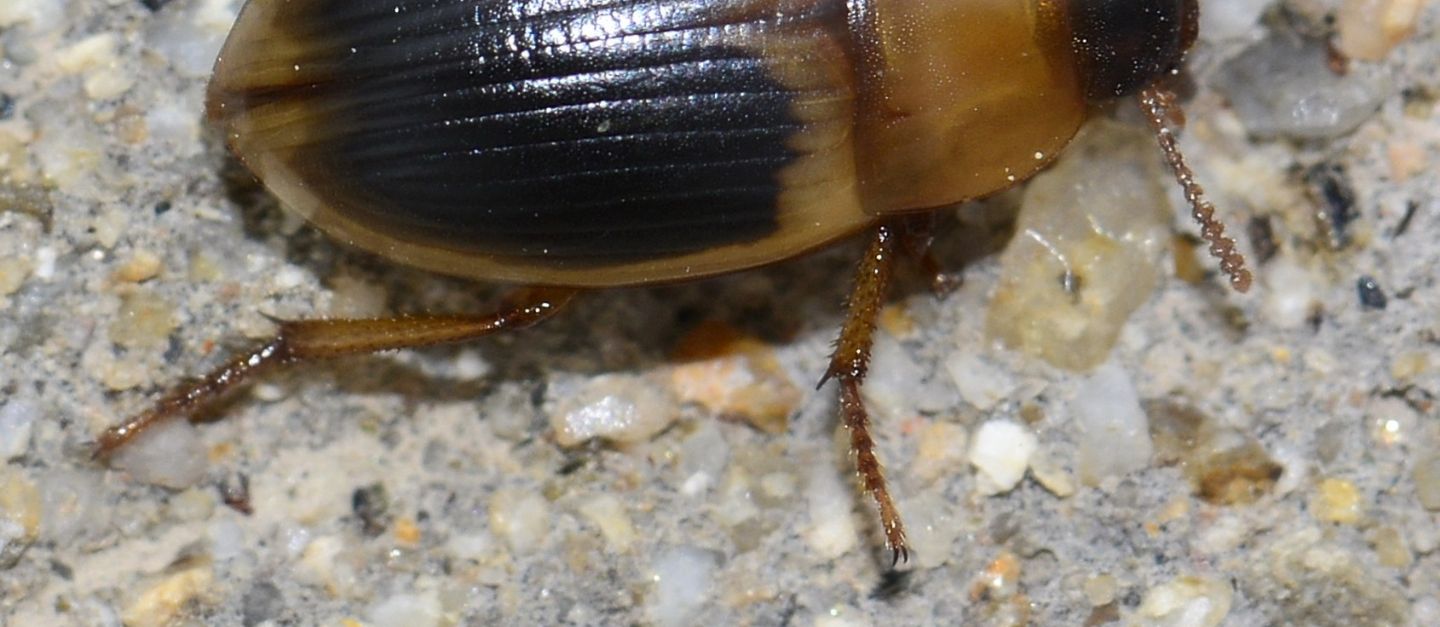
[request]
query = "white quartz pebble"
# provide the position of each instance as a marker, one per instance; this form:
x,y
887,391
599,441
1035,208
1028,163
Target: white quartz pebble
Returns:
x,y
169,454
1000,452
1114,431
683,577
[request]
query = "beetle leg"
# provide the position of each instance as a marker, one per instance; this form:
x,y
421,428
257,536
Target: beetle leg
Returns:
x,y
849,364
917,233
304,340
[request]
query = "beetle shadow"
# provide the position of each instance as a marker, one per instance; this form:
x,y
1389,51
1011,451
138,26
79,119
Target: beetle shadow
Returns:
x,y
620,329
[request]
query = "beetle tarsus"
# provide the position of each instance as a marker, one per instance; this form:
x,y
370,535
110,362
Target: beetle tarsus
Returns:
x,y
304,340
849,365
195,394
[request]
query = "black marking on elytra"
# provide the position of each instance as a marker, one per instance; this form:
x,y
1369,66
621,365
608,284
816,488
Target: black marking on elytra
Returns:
x,y
557,128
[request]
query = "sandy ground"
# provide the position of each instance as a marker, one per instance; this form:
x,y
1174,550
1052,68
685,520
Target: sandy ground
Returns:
x,y
1253,459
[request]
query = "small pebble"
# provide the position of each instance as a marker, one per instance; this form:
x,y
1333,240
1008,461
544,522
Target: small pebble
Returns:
x,y
1290,295
841,616
1225,466
1332,187
1225,533
1369,29
351,297
131,129
735,505
406,532
608,513
734,375
778,486
1303,97
1000,579
93,52
325,563
1371,295
832,531
1231,19
17,421
471,546
1407,160
1337,501
109,226
1114,431
898,387
287,278
45,258
227,540
1187,602
683,577
169,454
521,518
1001,452
1426,612
17,171
203,268
120,374
942,449
1408,365
371,505
895,320
1053,477
144,321
170,125
981,384
13,272
262,602
76,506
71,158
20,515
189,35
703,456
408,610
168,600
1391,547
192,504
1100,589
933,530
108,83
619,408
142,265
1427,481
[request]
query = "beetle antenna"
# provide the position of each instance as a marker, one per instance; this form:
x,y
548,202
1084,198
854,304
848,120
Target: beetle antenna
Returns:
x,y
1165,117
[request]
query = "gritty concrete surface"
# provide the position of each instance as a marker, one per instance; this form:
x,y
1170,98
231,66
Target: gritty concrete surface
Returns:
x,y
1256,459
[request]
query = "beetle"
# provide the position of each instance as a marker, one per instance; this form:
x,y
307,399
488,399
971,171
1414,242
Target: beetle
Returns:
x,y
567,145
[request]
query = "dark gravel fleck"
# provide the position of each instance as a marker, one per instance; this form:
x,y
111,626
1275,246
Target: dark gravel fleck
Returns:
x,y
1371,294
1262,238
371,505
262,602
1331,187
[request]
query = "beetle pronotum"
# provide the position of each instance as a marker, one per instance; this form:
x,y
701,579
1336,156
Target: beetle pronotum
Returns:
x,y
567,145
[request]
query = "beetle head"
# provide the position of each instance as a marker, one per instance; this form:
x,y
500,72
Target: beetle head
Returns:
x,y
1124,45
